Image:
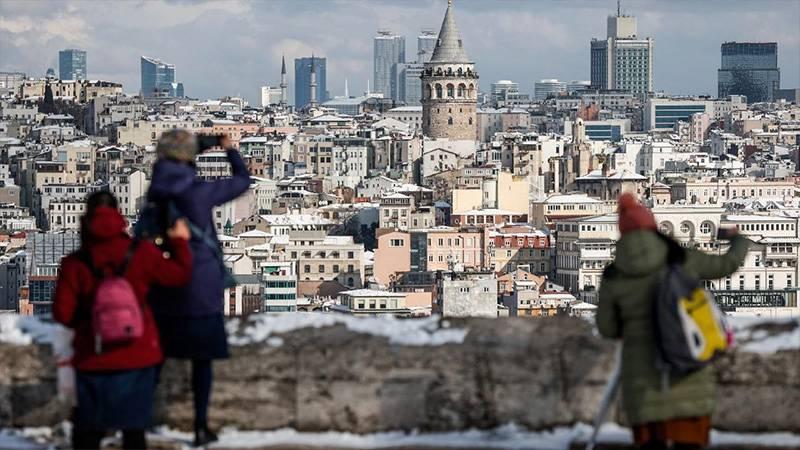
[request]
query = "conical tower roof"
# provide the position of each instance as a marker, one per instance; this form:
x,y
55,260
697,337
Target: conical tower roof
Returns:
x,y
283,65
449,47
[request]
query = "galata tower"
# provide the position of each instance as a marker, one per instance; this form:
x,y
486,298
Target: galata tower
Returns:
x,y
449,87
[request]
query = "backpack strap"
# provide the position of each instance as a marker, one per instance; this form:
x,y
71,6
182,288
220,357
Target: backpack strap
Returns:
x,y
123,268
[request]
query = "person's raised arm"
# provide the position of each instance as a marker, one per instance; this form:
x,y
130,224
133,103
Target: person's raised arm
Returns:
x,y
711,267
224,190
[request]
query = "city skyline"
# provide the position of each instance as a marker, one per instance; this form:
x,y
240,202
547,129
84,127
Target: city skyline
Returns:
x,y
553,39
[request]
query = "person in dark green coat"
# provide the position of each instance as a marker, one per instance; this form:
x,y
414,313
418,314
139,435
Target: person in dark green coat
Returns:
x,y
678,416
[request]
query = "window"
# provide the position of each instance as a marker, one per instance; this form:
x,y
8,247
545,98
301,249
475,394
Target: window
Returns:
x,y
449,120
350,268
707,227
335,268
350,255
686,227
396,242
741,282
307,268
321,268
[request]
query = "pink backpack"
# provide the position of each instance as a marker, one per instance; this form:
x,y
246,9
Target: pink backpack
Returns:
x,y
116,314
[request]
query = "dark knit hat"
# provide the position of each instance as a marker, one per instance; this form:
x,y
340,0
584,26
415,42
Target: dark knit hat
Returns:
x,y
177,144
633,215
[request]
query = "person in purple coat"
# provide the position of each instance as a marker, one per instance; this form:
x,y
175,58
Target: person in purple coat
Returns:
x,y
190,318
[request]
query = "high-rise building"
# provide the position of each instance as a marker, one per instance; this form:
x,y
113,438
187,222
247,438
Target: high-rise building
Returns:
x,y
270,95
578,85
749,69
622,61
543,89
449,87
10,81
407,78
389,49
302,80
158,78
501,91
426,42
72,64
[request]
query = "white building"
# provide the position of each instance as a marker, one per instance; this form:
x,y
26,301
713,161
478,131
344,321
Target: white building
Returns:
x,y
130,189
279,281
270,95
623,60
467,294
548,88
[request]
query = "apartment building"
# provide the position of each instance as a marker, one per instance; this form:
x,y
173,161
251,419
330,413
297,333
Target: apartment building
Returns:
x,y
518,246
279,283
322,258
545,213
466,294
718,190
443,248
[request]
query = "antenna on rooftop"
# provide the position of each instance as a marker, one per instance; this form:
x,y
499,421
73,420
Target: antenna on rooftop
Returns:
x,y
618,8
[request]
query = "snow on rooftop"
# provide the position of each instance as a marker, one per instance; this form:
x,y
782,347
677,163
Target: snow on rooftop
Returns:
x,y
371,293
295,219
570,198
254,233
416,332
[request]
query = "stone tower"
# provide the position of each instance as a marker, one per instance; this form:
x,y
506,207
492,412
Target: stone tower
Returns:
x,y
284,84
449,87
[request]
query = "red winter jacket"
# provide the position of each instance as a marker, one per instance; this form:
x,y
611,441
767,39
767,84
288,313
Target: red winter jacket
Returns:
x,y
76,284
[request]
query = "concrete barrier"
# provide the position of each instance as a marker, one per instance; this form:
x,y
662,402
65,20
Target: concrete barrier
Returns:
x,y
538,373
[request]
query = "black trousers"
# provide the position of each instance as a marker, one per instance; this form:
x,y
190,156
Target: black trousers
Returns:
x,y
90,439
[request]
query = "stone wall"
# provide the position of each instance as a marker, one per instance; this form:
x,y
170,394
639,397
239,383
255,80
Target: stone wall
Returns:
x,y
537,373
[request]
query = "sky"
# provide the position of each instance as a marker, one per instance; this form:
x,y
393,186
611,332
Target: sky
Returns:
x,y
232,47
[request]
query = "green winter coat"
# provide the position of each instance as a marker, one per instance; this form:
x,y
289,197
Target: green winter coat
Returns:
x,y
625,311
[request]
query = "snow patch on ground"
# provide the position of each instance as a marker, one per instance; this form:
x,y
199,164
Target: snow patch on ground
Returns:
x,y
413,332
752,337
24,330
511,437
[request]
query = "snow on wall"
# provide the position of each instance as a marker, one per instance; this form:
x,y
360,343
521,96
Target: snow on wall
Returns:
x,y
412,332
751,335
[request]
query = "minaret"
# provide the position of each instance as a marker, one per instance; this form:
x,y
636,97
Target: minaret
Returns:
x,y
284,84
313,85
449,87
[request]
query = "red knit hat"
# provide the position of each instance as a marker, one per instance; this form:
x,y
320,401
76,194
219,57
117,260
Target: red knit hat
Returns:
x,y
633,215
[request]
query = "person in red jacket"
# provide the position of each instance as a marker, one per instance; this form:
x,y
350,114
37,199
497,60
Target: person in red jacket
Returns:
x,y
115,387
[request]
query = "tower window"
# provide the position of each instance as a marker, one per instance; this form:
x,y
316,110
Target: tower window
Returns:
x,y
449,120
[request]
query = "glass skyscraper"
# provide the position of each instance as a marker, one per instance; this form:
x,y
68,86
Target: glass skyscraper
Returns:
x,y
408,81
158,78
426,42
389,49
302,81
72,64
749,69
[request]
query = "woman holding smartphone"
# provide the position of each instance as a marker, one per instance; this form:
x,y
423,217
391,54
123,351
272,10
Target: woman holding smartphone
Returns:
x,y
190,319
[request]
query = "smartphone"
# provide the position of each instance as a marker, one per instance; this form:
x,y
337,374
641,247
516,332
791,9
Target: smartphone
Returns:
x,y
726,233
207,141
